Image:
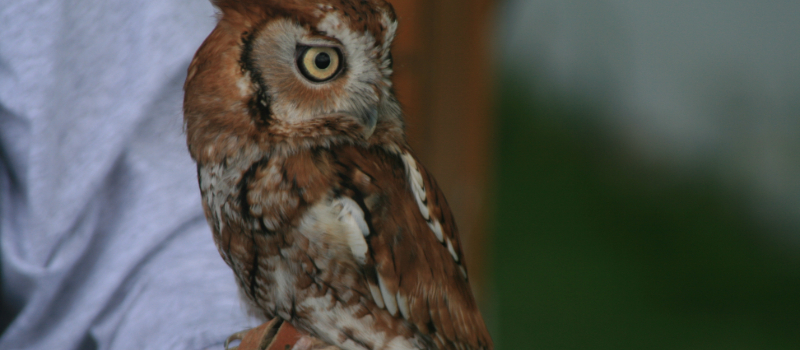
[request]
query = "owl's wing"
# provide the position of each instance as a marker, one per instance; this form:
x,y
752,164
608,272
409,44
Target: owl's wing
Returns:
x,y
414,263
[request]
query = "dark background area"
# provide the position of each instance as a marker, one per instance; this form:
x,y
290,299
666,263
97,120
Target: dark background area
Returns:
x,y
596,249
624,172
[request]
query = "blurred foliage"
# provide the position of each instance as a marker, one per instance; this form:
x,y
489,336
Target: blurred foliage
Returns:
x,y
594,248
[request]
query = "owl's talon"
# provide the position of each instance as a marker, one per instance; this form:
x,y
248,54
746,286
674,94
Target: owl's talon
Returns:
x,y
257,338
235,336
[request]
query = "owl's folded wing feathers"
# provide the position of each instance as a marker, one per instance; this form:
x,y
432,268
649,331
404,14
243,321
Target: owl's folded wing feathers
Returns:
x,y
413,261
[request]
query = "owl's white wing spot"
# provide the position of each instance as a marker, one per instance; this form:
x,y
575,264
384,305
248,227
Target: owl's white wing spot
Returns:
x,y
351,215
451,249
417,186
351,212
402,304
388,297
437,230
340,222
420,195
376,295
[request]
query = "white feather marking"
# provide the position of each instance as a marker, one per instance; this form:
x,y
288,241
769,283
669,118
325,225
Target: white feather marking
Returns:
x,y
402,304
437,230
451,249
358,246
391,29
401,343
388,298
283,287
352,215
423,209
416,183
376,295
340,223
414,173
243,84
463,271
441,339
351,209
331,318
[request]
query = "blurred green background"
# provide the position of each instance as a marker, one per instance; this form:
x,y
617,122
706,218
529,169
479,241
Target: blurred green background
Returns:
x,y
596,248
647,175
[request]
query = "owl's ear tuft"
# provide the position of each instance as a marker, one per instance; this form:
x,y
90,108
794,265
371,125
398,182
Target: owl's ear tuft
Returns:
x,y
243,7
251,12
228,4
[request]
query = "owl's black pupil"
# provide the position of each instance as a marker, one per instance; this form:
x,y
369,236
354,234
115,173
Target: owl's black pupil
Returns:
x,y
322,60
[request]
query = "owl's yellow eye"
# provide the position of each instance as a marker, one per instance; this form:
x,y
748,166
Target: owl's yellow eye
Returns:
x,y
319,63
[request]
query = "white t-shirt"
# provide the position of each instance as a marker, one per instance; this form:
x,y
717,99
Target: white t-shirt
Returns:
x,y
102,236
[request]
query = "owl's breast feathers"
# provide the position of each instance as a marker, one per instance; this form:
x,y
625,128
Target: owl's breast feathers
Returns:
x,y
362,227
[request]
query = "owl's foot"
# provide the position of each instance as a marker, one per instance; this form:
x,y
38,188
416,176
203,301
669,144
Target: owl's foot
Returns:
x,y
257,338
234,337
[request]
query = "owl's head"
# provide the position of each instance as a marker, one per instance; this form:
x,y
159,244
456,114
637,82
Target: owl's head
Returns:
x,y
282,64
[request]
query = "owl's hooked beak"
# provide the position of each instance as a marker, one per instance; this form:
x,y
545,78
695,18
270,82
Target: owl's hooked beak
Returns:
x,y
370,120
367,118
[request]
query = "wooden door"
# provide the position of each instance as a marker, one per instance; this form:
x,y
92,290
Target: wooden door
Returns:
x,y
443,80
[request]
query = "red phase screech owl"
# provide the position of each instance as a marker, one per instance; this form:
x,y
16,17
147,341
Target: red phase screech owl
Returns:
x,y
314,198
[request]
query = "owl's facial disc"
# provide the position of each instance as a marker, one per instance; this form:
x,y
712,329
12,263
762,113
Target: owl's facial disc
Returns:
x,y
302,72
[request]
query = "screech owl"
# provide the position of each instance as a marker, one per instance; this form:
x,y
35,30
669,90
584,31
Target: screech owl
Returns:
x,y
313,195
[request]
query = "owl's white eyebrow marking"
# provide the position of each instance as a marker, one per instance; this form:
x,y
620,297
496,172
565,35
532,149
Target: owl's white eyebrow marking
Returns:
x,y
317,40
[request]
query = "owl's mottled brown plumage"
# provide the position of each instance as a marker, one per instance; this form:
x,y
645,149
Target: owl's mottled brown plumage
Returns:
x,y
314,198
